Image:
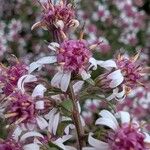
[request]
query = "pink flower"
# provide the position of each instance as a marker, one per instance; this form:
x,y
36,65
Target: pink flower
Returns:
x,y
10,76
125,135
57,16
122,75
73,55
10,144
20,108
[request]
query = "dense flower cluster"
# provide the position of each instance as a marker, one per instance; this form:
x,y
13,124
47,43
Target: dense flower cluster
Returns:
x,y
71,95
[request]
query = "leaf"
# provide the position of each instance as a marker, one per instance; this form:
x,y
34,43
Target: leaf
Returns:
x,y
67,105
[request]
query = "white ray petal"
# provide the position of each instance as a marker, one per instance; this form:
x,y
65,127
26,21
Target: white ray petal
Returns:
x,y
31,134
85,75
97,143
53,46
55,123
42,61
77,86
147,137
65,80
42,123
39,90
17,133
109,64
109,115
124,116
56,80
25,79
39,105
32,146
106,122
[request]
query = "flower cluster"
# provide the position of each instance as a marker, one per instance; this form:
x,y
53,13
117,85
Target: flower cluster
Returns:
x,y
70,97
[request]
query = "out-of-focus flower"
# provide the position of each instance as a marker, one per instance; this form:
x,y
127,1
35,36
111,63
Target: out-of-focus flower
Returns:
x,y
58,15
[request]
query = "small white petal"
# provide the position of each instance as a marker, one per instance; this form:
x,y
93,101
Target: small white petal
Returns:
x,y
39,105
59,143
99,145
17,133
108,64
116,78
106,122
120,95
89,148
50,117
32,146
109,115
65,80
42,61
107,119
66,137
124,116
77,86
55,123
31,134
147,138
56,80
70,148
53,46
93,62
68,127
85,75
39,90
25,79
42,123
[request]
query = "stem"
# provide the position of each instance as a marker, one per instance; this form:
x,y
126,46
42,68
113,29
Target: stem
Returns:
x,y
76,119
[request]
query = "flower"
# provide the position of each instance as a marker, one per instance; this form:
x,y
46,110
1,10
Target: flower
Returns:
x,y
123,74
10,144
72,57
10,76
58,15
124,135
22,108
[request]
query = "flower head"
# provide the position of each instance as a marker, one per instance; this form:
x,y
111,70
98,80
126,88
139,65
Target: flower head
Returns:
x,y
10,144
124,135
10,76
21,108
123,74
57,15
73,55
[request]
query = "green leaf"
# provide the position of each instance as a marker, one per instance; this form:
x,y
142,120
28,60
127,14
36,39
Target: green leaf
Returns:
x,y
67,105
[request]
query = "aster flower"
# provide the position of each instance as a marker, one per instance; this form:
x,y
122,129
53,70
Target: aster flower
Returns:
x,y
9,76
58,15
72,57
123,74
124,135
22,108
